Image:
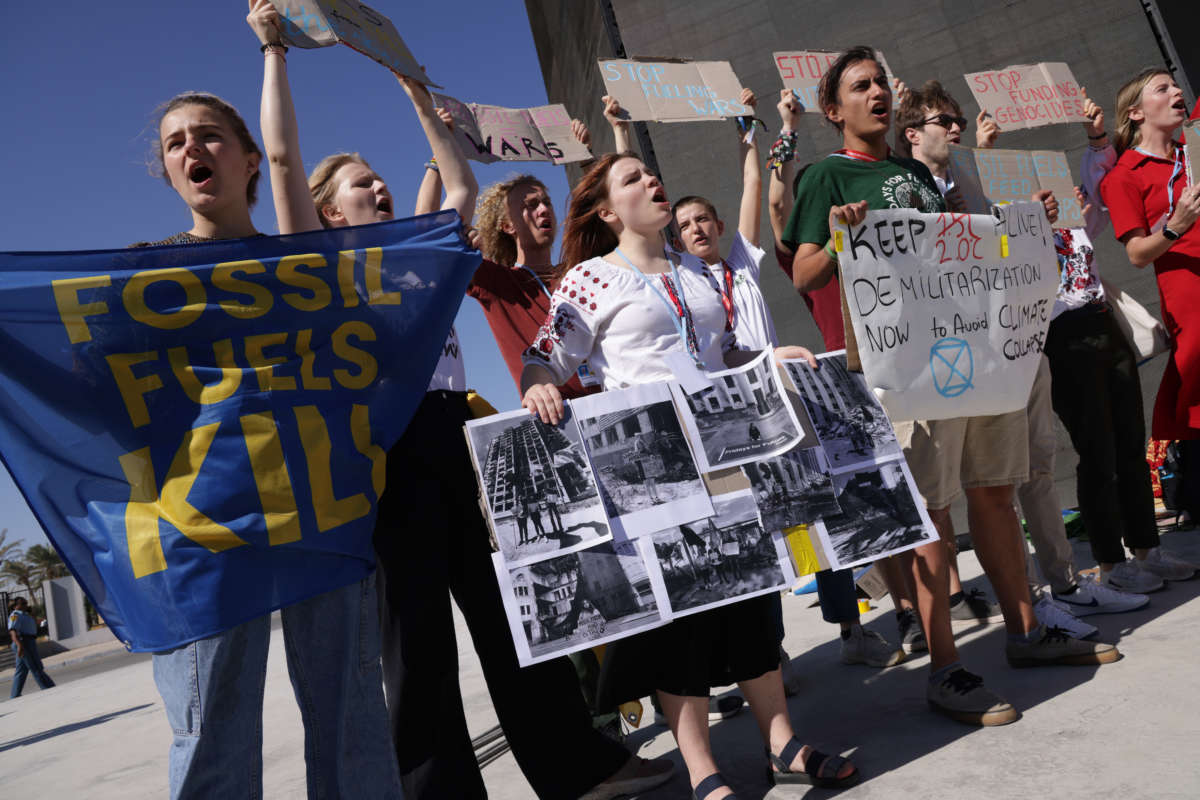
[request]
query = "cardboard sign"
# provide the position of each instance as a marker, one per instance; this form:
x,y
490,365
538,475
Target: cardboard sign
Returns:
x,y
1028,95
492,133
1191,153
323,23
986,176
950,310
802,70
673,91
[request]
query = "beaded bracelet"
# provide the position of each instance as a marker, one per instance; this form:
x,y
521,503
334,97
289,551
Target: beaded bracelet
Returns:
x,y
272,46
432,164
783,151
829,251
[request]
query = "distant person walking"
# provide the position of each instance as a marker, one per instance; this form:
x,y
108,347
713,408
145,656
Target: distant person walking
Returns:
x,y
23,628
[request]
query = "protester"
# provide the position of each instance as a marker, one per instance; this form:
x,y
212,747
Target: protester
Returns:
x,y
23,630
639,314
984,455
1154,211
432,489
212,689
735,280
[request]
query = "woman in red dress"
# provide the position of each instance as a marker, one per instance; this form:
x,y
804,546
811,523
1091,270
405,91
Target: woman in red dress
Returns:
x,y
1154,212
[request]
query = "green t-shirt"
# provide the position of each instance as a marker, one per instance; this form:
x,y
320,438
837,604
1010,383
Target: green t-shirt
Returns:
x,y
892,183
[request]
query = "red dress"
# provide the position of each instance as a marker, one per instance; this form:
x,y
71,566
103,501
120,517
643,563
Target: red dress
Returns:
x,y
1135,192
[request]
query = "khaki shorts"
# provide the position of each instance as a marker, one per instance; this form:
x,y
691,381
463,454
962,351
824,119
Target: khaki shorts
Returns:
x,y
949,455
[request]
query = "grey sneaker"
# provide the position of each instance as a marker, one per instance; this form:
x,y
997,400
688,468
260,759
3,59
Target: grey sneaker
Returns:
x,y
1131,576
962,696
912,636
637,775
976,608
1167,566
1056,647
868,647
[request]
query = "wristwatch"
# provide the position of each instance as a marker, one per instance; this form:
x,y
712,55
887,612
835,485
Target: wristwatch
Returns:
x,y
1169,234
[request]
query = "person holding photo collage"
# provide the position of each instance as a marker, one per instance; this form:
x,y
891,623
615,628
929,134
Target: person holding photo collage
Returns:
x,y
430,537
622,304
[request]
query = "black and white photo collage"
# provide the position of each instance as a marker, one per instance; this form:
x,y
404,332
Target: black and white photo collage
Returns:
x,y
649,503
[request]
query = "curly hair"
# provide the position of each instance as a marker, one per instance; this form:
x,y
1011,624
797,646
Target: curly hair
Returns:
x,y
491,214
912,111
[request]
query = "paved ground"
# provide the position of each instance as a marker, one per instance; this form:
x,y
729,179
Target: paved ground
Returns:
x,y
1127,730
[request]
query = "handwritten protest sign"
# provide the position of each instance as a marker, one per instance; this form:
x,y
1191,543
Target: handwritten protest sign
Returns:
x,y
987,176
801,71
493,133
673,91
950,310
1029,95
1191,141
324,23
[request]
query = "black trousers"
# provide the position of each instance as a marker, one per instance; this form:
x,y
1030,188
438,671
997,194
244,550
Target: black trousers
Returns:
x,y
431,542
1097,395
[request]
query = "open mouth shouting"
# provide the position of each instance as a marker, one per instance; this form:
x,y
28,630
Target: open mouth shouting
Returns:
x,y
1180,105
384,205
880,111
199,174
660,197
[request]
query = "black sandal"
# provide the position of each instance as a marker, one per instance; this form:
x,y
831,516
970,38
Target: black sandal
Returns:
x,y
710,785
820,769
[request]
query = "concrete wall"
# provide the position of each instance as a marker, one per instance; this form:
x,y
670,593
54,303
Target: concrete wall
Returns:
x,y
1105,42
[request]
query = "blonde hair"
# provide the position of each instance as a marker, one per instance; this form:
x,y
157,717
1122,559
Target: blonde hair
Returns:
x,y
320,182
1129,97
491,214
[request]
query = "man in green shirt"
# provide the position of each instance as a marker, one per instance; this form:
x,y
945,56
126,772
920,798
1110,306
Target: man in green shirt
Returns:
x,y
856,99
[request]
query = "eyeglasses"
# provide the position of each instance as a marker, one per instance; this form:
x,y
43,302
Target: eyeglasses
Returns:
x,y
946,120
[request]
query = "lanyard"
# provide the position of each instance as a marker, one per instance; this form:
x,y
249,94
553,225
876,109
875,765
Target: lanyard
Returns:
x,y
536,278
1176,173
726,293
677,306
858,155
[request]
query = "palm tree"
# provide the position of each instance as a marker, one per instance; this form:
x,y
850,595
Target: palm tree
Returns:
x,y
45,563
20,572
6,548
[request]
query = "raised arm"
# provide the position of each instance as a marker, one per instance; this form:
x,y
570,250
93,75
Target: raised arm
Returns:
x,y
294,209
612,113
750,213
455,175
783,168
429,195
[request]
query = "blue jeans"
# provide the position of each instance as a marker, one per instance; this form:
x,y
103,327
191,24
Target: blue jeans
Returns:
x,y
213,693
32,662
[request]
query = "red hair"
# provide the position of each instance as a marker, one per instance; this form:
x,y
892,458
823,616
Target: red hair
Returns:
x,y
585,235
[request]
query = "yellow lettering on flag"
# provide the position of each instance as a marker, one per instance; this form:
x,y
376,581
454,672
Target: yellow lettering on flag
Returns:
x,y
71,311
330,511
205,395
134,297
304,348
345,276
133,389
271,477
373,270
264,366
360,426
801,547
288,273
260,296
147,505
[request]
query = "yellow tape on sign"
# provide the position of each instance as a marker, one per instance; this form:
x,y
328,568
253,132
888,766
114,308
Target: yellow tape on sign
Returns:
x,y
837,241
804,556
1004,245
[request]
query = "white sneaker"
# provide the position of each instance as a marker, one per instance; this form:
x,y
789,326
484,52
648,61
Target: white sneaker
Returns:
x,y
1095,598
1056,615
1129,576
1167,566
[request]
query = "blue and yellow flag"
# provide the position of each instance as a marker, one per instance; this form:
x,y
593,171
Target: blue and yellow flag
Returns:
x,y
201,429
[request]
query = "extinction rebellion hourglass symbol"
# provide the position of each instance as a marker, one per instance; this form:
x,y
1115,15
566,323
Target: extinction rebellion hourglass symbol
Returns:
x,y
952,366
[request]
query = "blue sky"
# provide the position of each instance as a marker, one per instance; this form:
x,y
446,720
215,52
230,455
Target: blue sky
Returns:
x,y
82,80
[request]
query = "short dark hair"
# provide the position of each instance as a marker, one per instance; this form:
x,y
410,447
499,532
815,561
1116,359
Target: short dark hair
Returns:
x,y
827,89
694,198
912,111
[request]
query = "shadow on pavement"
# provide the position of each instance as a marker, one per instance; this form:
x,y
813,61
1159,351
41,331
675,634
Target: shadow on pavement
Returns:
x,y
71,728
